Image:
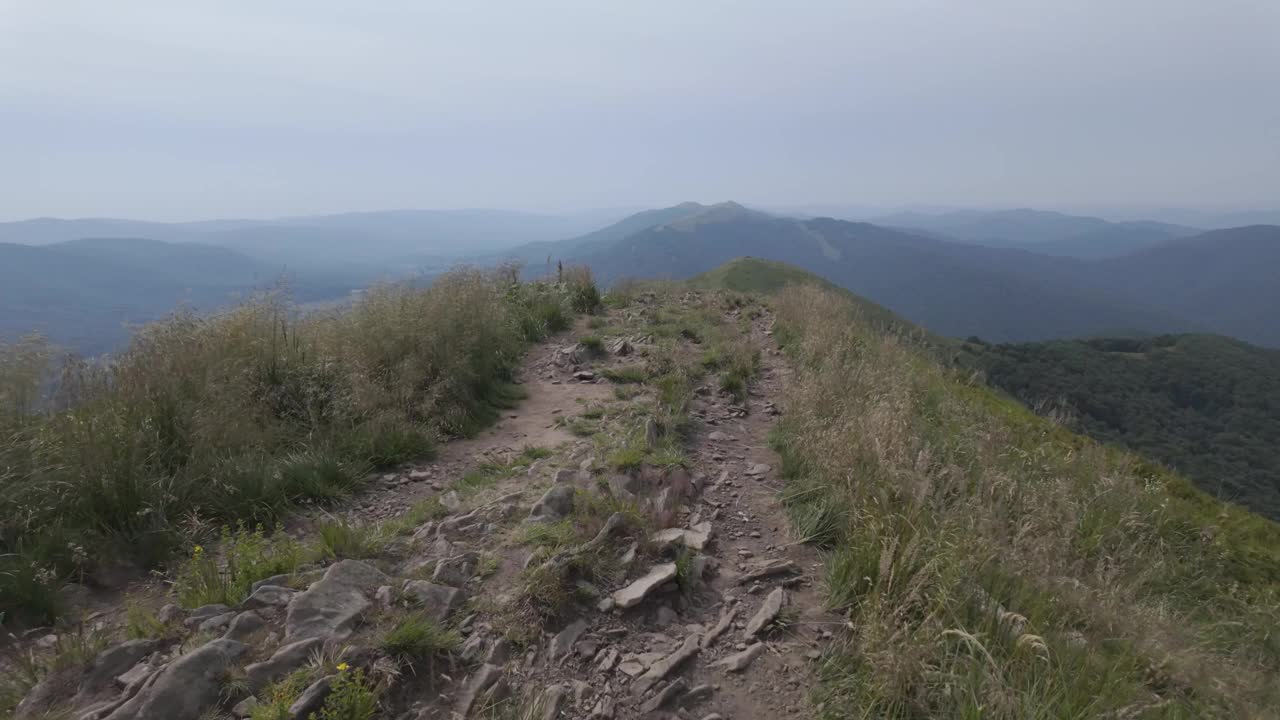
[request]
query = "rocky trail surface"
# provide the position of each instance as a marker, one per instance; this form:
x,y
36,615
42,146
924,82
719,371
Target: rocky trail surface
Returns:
x,y
614,546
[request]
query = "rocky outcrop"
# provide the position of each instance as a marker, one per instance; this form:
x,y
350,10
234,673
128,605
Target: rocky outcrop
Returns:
x,y
437,601
186,688
554,505
284,661
331,607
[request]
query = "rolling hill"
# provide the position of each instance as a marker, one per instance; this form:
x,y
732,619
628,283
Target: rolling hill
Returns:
x,y
83,294
1049,233
1205,405
961,289
950,288
392,236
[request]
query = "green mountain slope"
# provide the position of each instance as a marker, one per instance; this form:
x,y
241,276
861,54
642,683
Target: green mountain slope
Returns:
x,y
1050,233
992,563
1207,406
85,294
949,288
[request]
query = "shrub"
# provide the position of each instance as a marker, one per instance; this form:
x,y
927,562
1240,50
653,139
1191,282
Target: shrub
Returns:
x,y
626,374
237,416
592,344
352,697
417,638
247,556
584,296
993,564
344,540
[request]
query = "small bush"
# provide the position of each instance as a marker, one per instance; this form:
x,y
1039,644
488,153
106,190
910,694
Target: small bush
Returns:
x,y
235,417
246,557
417,638
352,697
340,539
584,296
592,344
141,623
626,374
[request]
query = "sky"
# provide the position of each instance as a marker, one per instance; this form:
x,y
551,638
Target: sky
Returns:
x,y
165,110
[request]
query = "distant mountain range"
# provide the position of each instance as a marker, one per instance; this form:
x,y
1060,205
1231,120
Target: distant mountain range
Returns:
x,y
1048,233
393,238
84,294
1221,281
1004,276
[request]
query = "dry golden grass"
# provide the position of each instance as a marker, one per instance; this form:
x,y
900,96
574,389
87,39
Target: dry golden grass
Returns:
x,y
993,565
232,418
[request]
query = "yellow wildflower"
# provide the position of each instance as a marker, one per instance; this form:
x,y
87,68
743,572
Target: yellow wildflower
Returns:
x,y
343,667
197,550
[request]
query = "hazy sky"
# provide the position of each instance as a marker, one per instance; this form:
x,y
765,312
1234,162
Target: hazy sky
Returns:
x,y
168,109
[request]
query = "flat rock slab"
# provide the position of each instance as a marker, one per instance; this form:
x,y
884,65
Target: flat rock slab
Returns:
x,y
331,607
187,688
660,669
767,614
269,596
563,642
769,569
554,505
636,592
457,570
485,677
288,658
439,601
739,661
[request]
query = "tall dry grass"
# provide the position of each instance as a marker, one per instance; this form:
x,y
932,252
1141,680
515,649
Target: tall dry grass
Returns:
x,y
236,417
994,565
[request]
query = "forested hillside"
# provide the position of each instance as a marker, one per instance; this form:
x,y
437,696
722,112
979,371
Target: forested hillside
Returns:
x,y
1205,405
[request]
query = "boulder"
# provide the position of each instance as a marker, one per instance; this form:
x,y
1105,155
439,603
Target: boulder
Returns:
x,y
205,612
768,613
564,640
331,607
244,626
437,600
484,678
311,699
636,592
554,505
285,660
553,701
187,688
267,596
457,570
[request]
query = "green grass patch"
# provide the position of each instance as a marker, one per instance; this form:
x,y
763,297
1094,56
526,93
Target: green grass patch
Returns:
x,y
417,638
626,374
225,573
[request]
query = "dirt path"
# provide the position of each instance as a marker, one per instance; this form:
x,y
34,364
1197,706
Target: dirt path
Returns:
x,y
596,659
612,548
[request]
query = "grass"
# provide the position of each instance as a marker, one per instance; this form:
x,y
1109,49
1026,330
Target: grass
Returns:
x,y
242,558
77,646
626,374
142,623
240,416
416,638
995,565
593,344
352,697
339,539
274,701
